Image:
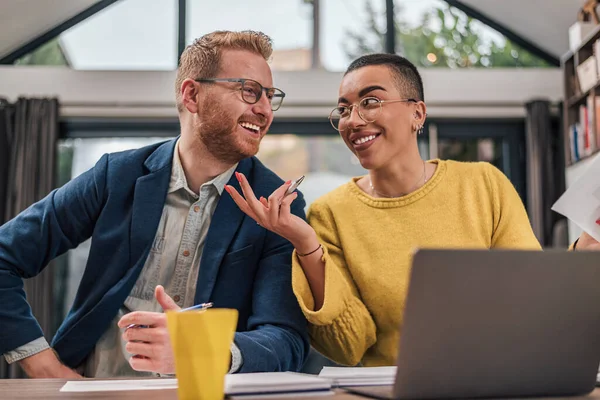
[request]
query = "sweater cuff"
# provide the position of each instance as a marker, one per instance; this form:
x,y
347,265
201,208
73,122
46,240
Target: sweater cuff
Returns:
x,y
336,291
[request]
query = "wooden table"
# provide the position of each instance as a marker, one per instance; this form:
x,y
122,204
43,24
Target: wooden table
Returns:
x,y
49,389
33,389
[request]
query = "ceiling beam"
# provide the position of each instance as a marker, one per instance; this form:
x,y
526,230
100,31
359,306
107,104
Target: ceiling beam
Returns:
x,y
507,32
54,32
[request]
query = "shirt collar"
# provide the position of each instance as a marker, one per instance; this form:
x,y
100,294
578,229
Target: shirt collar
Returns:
x,y
178,180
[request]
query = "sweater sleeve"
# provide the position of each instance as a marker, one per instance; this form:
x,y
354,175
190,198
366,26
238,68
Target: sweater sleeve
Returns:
x,y
343,328
511,226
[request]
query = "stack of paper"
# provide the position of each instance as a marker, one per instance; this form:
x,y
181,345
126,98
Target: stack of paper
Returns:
x,y
359,376
274,382
93,385
235,384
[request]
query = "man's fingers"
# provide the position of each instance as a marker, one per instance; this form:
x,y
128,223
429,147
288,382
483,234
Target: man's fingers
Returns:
x,y
149,335
152,351
142,349
165,301
141,363
143,318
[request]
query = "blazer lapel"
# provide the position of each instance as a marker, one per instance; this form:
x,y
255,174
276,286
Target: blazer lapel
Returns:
x,y
148,202
225,222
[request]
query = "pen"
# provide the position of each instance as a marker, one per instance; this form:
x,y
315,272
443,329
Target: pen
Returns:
x,y
293,186
199,307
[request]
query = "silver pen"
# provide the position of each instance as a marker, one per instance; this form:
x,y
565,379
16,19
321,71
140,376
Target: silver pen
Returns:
x,y
292,187
199,307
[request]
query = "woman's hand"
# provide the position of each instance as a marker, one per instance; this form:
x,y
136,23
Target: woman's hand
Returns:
x,y
586,242
274,214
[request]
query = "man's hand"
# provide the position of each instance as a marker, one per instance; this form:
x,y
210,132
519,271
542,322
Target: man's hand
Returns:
x,y
151,346
45,364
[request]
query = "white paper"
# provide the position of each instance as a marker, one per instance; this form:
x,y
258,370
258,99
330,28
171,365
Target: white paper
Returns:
x,y
292,395
235,384
359,376
265,382
119,384
581,202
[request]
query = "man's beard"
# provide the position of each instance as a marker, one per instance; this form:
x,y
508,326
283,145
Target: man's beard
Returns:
x,y
216,131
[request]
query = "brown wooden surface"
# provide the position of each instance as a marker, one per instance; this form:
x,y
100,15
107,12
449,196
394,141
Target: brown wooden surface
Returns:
x,y
34,389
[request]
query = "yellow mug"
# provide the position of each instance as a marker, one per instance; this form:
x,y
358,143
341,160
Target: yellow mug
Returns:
x,y
201,342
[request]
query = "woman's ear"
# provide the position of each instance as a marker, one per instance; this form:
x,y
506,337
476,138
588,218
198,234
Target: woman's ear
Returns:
x,y
189,95
419,117
420,113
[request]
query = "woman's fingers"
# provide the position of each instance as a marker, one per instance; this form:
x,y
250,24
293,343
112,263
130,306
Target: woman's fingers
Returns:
x,y
266,212
284,209
275,201
240,201
255,205
279,193
264,202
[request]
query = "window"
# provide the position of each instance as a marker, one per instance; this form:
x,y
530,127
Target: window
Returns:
x,y
349,29
128,35
143,34
287,22
431,33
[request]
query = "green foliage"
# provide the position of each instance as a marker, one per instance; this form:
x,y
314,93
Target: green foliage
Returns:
x,y
446,37
47,54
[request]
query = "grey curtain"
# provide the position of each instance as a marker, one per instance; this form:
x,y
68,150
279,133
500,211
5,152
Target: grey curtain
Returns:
x,y
28,138
545,173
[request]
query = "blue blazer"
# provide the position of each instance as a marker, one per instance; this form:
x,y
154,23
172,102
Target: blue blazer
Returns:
x,y
118,203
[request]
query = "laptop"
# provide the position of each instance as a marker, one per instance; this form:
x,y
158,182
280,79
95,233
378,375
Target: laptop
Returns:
x,y
498,323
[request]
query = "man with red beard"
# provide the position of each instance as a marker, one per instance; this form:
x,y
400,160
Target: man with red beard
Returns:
x,y
164,237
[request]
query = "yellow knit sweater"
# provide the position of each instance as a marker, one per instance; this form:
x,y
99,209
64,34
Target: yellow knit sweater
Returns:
x,y
368,244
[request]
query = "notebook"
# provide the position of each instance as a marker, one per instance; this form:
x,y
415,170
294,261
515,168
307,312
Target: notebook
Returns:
x,y
235,384
359,376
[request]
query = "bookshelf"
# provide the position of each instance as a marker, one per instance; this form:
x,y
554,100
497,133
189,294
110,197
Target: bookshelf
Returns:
x,y
581,110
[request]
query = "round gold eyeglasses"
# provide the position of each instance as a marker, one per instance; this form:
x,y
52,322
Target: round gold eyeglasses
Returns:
x,y
369,109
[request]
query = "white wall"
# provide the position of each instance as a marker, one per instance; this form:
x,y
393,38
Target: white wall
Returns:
x,y
448,93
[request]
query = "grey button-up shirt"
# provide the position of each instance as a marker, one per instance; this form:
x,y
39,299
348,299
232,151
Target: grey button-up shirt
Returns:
x,y
173,261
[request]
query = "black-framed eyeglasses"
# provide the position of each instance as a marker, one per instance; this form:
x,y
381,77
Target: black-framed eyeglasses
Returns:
x,y
252,91
369,109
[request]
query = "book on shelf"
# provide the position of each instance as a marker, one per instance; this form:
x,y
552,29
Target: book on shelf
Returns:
x,y
587,73
597,122
584,135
